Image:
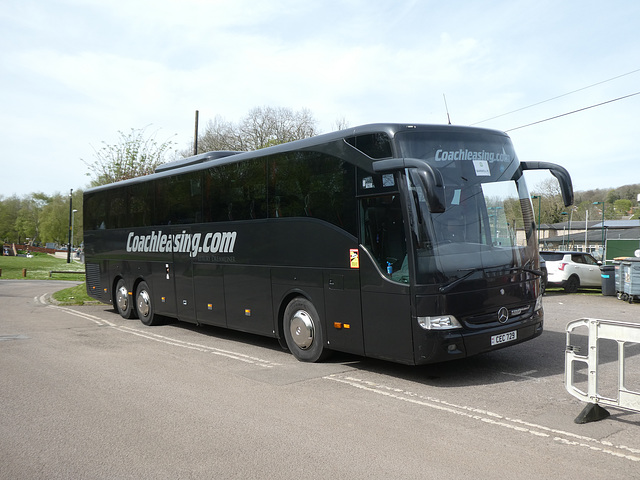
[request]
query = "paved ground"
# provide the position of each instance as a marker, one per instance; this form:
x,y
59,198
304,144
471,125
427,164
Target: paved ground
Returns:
x,y
87,394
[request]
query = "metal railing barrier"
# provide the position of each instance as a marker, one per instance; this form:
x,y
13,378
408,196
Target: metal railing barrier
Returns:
x,y
622,333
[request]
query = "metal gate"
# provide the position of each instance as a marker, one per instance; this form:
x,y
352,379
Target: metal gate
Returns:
x,y
622,333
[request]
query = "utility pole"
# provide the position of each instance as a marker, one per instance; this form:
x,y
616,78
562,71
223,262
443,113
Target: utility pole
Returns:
x,y
70,225
195,136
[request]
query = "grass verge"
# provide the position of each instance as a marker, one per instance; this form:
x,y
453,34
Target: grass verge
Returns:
x,y
74,296
38,268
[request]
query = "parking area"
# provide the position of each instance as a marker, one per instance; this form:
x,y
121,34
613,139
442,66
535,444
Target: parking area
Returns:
x,y
87,392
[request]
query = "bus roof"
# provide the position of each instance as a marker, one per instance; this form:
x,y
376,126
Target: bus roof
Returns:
x,y
210,159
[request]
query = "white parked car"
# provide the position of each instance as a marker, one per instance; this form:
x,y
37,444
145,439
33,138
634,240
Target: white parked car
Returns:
x,y
572,270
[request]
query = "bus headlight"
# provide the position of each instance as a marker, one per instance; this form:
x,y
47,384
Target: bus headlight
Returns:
x,y
441,322
538,304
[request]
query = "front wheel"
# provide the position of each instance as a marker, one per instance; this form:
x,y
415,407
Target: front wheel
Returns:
x,y
572,285
123,300
303,332
144,305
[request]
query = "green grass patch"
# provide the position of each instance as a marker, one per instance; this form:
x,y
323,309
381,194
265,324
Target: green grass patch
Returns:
x,y
74,296
581,291
38,268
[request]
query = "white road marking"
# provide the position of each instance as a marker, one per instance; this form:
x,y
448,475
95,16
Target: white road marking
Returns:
x,y
526,375
514,424
562,437
170,341
203,348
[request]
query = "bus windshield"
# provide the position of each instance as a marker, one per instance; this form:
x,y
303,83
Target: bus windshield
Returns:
x,y
487,226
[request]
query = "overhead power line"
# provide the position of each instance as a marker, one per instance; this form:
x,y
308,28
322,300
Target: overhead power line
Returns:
x,y
575,111
555,98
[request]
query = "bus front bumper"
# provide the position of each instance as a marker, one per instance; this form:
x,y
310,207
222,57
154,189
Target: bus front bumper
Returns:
x,y
441,346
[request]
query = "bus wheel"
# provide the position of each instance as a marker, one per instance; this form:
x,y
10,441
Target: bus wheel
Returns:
x,y
123,300
303,332
144,306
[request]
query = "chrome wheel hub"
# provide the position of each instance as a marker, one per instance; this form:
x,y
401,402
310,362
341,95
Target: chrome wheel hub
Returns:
x,y
121,298
144,303
302,329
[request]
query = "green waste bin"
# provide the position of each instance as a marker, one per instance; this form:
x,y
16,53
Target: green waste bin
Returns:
x,y
608,274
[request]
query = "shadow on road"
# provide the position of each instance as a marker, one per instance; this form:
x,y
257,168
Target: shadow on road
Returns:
x,y
539,358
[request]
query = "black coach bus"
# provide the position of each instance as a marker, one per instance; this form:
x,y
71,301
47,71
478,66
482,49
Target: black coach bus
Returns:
x,y
411,243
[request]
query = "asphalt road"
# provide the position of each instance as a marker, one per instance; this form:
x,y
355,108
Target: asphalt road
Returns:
x,y
87,394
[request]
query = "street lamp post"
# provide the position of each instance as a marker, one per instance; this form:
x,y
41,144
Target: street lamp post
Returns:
x,y
602,203
73,218
538,197
70,226
564,213
569,228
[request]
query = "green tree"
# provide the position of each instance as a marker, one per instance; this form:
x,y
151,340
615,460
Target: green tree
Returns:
x,y
135,154
54,226
622,207
551,205
9,208
27,220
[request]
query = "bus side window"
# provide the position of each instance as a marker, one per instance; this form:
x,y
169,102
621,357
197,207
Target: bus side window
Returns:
x,y
382,230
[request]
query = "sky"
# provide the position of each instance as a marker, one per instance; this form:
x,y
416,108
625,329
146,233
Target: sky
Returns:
x,y
74,73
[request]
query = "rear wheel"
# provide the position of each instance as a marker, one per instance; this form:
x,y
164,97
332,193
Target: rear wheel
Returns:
x,y
303,332
572,285
123,300
144,305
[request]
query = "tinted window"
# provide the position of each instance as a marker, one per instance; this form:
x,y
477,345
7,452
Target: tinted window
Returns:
x,y
179,199
375,183
375,145
382,232
310,184
141,204
577,258
300,184
235,192
117,208
95,211
552,256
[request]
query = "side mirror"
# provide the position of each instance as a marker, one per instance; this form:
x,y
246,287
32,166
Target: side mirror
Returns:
x,y
430,177
561,173
434,188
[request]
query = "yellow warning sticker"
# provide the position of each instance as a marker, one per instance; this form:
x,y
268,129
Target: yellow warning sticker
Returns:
x,y
354,258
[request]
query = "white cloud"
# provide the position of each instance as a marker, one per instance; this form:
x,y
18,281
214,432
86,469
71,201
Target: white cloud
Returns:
x,y
73,73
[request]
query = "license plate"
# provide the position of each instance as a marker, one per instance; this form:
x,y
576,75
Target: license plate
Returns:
x,y
504,337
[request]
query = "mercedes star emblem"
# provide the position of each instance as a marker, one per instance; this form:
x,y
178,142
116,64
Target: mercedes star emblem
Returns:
x,y
503,315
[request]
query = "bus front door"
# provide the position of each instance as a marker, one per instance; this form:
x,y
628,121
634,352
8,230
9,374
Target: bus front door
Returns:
x,y
386,314
342,310
384,280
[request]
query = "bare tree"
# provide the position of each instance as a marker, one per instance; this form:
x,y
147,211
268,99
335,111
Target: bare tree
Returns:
x,y
551,201
261,127
134,155
341,124
220,135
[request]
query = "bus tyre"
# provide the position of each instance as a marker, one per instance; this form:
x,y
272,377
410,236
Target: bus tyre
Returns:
x,y
144,305
123,301
303,332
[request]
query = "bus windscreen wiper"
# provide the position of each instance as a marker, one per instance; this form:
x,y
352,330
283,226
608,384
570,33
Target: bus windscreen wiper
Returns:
x,y
525,268
448,286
